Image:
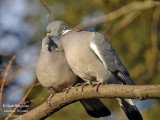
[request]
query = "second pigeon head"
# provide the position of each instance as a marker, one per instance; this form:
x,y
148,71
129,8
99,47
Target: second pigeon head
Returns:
x,y
48,44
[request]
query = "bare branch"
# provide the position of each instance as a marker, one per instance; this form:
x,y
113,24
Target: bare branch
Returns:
x,y
154,26
5,76
47,8
154,41
135,6
124,22
22,101
62,99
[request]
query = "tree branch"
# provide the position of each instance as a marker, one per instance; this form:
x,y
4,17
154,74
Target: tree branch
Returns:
x,y
135,6
63,99
47,9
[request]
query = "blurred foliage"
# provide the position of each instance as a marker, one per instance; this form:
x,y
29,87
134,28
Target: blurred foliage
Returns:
x,y
132,43
153,112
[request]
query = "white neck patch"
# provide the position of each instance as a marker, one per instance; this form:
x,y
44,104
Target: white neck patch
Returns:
x,y
66,31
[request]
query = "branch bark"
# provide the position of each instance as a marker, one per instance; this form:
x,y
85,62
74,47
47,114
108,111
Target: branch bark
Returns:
x,y
63,99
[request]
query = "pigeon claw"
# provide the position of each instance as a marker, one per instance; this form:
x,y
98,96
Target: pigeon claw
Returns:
x,y
82,84
49,99
97,84
67,89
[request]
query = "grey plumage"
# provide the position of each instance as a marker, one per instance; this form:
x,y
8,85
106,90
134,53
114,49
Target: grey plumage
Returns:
x,y
53,72
92,57
111,59
49,65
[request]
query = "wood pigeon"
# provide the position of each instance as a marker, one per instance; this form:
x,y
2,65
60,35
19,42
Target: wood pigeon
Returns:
x,y
53,72
92,57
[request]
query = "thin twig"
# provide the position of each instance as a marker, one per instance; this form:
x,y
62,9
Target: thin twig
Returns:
x,y
124,22
5,76
154,26
17,69
18,89
22,101
47,8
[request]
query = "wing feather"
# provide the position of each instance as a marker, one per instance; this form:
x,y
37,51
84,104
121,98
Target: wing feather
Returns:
x,y
106,53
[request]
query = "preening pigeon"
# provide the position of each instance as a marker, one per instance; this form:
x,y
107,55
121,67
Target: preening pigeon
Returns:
x,y
91,56
53,72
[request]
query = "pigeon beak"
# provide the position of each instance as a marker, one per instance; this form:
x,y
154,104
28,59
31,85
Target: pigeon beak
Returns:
x,y
47,47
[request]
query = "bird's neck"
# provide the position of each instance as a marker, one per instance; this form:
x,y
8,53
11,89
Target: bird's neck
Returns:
x,y
66,31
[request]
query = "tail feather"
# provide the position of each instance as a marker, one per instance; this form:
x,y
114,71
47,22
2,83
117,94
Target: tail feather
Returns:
x,y
130,109
95,107
125,78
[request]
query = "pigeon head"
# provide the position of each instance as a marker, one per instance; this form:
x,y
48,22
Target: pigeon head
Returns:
x,y
48,44
57,28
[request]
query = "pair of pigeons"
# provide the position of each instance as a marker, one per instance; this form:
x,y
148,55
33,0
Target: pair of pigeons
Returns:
x,y
82,56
